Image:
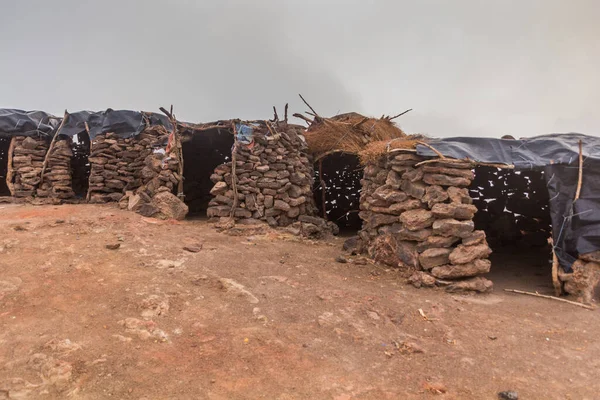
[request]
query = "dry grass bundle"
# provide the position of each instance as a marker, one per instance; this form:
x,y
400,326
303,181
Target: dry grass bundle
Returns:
x,y
349,133
371,152
353,133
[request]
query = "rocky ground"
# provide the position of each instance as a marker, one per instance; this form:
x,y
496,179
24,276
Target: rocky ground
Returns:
x,y
96,303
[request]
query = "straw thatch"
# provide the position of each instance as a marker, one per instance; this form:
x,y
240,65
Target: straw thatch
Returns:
x,y
356,134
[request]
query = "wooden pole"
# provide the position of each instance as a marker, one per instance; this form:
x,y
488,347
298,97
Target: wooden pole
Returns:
x,y
551,298
579,181
555,265
233,172
178,149
9,166
47,158
89,192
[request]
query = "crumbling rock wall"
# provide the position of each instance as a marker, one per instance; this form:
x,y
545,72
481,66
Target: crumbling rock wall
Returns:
x,y
273,180
155,197
57,179
28,155
420,219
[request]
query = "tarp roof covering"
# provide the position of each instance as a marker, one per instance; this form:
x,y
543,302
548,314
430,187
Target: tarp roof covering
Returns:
x,y
123,123
26,123
575,224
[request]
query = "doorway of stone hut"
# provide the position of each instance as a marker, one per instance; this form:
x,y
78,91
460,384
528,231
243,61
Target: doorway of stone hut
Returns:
x,y
202,153
4,147
337,190
80,165
513,210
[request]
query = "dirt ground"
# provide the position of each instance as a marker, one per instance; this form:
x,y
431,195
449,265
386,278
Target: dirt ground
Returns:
x,y
258,316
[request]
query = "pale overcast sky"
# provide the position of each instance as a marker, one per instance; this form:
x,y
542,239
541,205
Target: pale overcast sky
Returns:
x,y
466,67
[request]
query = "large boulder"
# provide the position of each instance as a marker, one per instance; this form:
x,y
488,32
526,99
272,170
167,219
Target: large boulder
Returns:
x,y
465,254
474,268
170,206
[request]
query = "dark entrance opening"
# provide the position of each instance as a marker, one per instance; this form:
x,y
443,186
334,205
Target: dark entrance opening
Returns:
x,y
202,153
338,175
80,166
4,146
513,210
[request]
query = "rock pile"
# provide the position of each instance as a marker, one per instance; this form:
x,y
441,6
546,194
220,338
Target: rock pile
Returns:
x,y
27,160
420,218
584,281
57,181
155,197
273,179
117,165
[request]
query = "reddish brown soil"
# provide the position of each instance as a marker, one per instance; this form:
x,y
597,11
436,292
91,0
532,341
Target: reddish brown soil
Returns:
x,y
306,327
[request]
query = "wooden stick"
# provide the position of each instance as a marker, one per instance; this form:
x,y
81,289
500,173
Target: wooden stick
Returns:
x,y
536,294
89,192
275,116
286,113
555,281
178,149
443,157
307,120
311,109
579,181
399,115
233,174
9,166
323,194
47,158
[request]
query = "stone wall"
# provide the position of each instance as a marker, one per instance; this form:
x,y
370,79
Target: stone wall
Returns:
x,y
420,219
274,180
57,183
28,155
117,165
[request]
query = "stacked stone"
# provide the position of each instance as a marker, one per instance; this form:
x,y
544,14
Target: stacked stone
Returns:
x,y
274,180
117,164
57,182
155,197
27,161
420,218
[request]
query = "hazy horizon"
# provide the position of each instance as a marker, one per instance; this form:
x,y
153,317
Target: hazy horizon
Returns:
x,y
465,67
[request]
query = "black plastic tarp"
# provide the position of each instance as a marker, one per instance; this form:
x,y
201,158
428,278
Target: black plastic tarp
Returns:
x,y
27,123
575,225
123,123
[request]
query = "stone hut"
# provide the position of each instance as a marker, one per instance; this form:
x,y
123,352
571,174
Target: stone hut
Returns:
x,y
268,177
25,137
452,212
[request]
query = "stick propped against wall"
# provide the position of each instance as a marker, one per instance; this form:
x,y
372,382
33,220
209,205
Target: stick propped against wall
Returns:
x,y
9,169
